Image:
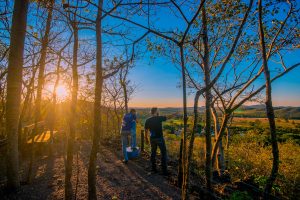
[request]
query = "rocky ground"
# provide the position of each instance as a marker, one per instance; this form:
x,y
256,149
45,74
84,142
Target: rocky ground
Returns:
x,y
115,180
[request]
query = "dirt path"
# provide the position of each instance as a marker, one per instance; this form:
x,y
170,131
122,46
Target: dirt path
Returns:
x,y
115,180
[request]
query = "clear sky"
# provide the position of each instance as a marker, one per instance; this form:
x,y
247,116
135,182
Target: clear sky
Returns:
x,y
158,85
158,81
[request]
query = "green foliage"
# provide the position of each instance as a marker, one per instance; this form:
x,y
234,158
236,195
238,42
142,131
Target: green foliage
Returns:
x,y
169,128
259,111
238,195
261,181
289,136
248,157
249,153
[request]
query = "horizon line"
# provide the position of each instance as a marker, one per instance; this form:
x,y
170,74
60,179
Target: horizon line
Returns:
x,y
149,107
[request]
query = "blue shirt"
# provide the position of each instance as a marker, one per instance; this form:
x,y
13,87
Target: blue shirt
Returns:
x,y
128,121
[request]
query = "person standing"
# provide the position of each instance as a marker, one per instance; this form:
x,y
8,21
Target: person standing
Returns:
x,y
154,126
126,131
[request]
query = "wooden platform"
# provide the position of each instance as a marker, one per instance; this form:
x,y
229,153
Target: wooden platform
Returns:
x,y
42,138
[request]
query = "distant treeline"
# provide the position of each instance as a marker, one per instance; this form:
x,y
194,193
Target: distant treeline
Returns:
x,y
255,111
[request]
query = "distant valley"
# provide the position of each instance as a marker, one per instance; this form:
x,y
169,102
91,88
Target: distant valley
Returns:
x,y
253,111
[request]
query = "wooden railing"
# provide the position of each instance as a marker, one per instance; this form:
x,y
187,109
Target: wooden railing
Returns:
x,y
3,142
29,132
142,140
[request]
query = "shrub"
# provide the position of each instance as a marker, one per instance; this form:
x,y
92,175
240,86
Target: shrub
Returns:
x,y
247,157
238,195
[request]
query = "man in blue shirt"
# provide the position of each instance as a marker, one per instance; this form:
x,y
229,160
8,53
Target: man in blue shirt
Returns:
x,y
127,126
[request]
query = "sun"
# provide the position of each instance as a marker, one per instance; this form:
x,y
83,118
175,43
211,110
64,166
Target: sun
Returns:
x,y
62,92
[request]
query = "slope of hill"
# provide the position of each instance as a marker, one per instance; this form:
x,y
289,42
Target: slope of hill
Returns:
x,y
259,111
253,111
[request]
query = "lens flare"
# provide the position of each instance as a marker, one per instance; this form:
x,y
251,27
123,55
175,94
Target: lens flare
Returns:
x,y
62,92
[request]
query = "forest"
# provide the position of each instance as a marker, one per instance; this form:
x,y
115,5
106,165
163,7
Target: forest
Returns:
x,y
66,87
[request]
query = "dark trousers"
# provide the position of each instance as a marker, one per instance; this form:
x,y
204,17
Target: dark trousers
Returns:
x,y
159,142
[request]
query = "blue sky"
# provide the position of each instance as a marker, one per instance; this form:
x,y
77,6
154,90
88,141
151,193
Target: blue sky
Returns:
x,y
158,81
158,85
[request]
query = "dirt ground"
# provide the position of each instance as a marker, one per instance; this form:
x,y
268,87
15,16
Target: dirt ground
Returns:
x,y
115,180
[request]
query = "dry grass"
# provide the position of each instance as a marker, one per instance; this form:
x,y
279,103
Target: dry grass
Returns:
x,y
249,159
246,122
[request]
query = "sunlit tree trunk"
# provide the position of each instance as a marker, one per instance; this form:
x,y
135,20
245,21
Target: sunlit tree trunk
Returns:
x,y
207,100
220,165
97,107
269,107
14,87
220,134
73,117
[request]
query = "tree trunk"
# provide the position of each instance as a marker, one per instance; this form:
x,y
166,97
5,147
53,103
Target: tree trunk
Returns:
x,y
220,134
208,162
41,80
42,65
216,130
220,165
107,121
14,87
184,142
118,122
207,101
97,107
72,122
185,186
269,108
26,104
125,97
227,148
180,170
221,158
117,128
113,123
123,78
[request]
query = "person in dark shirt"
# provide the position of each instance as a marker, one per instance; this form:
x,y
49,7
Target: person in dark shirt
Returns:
x,y
154,126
